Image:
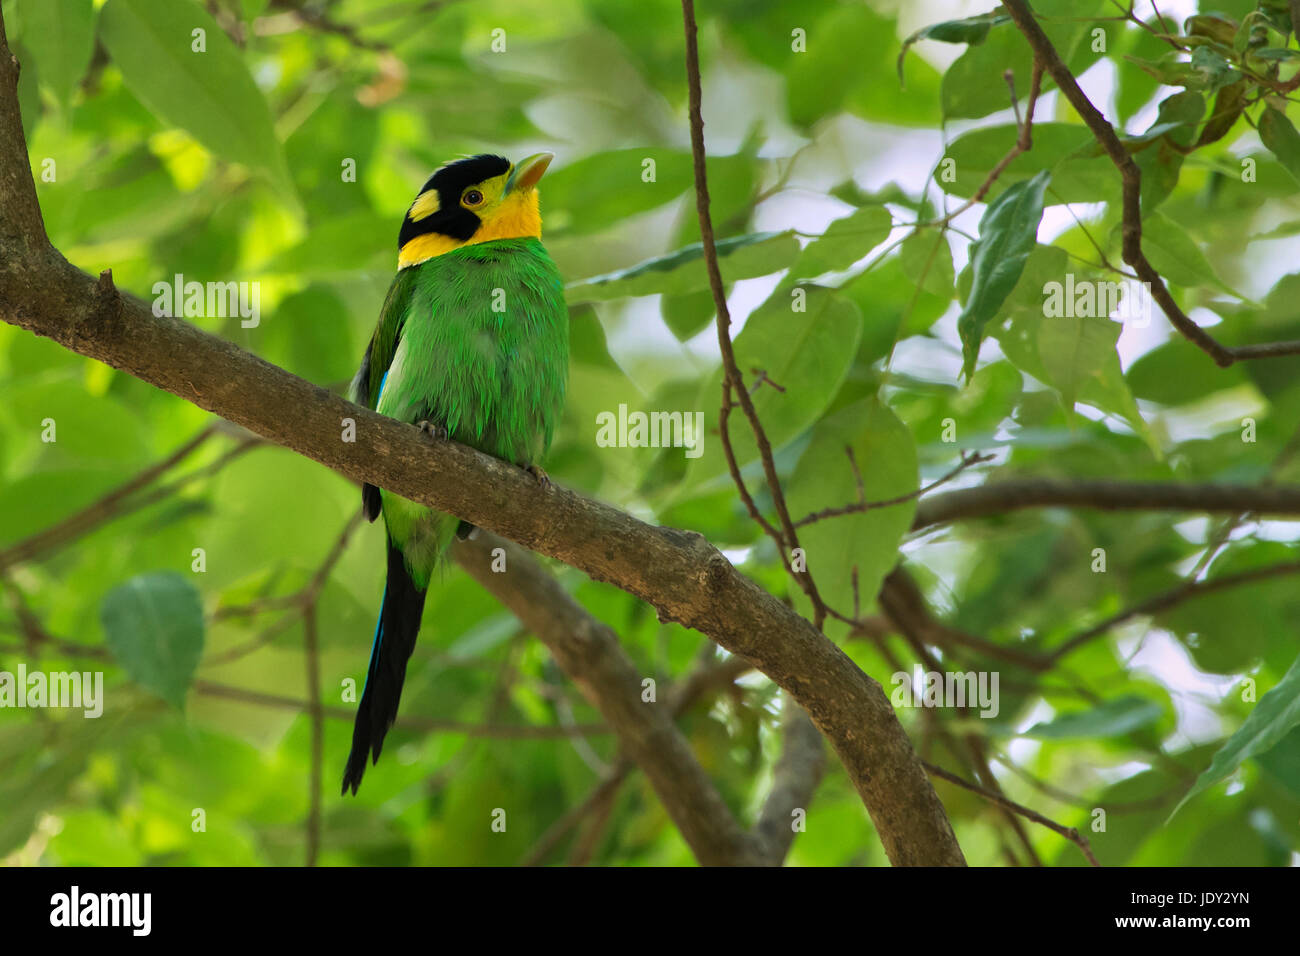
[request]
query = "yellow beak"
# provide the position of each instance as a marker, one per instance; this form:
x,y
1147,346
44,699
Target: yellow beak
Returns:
x,y
528,171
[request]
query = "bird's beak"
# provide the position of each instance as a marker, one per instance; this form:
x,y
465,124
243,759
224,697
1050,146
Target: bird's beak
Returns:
x,y
527,171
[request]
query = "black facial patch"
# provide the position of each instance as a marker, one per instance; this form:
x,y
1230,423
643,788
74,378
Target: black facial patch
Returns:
x,y
452,219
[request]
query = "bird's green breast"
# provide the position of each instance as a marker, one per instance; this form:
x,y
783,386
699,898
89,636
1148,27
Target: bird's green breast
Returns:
x,y
484,351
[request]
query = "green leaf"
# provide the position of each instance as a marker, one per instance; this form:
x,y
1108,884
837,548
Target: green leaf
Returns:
x,y
845,66
1276,53
970,31
1176,256
1081,363
687,315
1074,349
1161,166
1209,625
973,84
1170,69
310,335
1174,375
974,155
806,352
1275,716
926,259
1110,719
1279,134
741,257
606,188
845,241
886,457
1180,114
61,36
153,624
1211,26
1214,68
211,94
1008,232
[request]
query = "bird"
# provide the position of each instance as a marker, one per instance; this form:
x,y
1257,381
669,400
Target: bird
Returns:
x,y
472,345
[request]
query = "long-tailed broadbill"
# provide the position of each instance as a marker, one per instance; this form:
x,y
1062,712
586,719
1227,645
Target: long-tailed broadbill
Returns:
x,y
472,344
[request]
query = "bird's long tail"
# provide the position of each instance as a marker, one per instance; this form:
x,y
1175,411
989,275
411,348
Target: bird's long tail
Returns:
x,y
395,633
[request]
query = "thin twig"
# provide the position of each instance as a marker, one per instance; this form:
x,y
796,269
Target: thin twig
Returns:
x,y
1185,591
787,539
1070,833
862,504
1024,142
102,509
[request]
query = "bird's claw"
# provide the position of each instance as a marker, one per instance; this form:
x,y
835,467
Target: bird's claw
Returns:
x,y
542,477
434,430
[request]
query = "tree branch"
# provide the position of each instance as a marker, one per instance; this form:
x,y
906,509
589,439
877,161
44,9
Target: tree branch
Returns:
x,y
794,781
1013,494
1070,833
589,652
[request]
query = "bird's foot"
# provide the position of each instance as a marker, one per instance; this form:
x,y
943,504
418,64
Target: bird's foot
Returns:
x,y
542,477
435,430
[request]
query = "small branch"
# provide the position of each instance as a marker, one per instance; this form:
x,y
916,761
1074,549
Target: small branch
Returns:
x,y
557,831
905,607
760,379
787,538
1070,833
1062,796
101,510
862,504
301,15
1014,494
1024,142
682,696
1186,591
305,596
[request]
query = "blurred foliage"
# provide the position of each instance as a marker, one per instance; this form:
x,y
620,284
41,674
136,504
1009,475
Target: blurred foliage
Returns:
x,y
233,162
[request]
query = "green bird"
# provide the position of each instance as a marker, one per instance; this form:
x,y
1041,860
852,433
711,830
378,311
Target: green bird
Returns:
x,y
472,344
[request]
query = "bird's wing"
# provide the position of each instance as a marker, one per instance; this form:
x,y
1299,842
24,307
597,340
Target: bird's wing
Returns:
x,y
383,343
379,356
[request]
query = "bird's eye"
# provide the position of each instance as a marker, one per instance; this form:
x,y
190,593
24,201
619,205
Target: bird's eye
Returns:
x,y
472,197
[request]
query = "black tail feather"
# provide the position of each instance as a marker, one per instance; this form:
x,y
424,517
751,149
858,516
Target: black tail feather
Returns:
x,y
399,623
